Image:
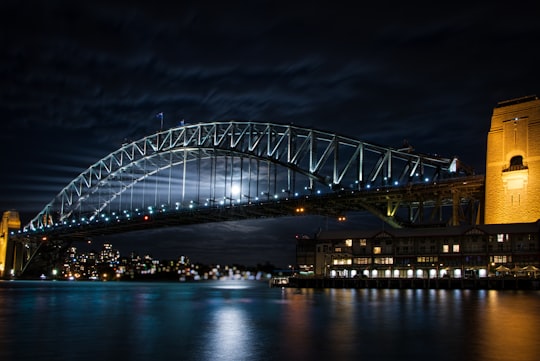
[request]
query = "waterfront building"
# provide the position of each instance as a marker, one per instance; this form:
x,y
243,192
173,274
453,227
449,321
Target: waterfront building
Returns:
x,y
508,242
457,251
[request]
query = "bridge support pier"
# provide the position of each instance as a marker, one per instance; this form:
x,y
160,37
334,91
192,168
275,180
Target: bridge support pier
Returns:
x,y
10,253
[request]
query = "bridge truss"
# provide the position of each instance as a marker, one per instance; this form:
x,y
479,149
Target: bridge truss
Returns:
x,y
218,165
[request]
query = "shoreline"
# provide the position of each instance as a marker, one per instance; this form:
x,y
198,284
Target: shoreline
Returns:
x,y
488,283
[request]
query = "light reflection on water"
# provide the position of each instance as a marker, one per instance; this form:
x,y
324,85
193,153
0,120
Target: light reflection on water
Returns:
x,y
247,320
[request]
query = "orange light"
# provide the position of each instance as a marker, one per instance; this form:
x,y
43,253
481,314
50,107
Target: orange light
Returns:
x,y
146,217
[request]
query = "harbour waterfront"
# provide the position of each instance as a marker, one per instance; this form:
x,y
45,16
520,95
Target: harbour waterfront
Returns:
x,y
248,320
496,283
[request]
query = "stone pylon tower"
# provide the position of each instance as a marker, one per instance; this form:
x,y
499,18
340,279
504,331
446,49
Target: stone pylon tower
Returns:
x,y
513,162
10,221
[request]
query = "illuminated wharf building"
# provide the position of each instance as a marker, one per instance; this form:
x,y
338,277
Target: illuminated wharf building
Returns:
x,y
457,251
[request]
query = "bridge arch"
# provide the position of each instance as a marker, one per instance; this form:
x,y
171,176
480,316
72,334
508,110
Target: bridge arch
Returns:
x,y
212,164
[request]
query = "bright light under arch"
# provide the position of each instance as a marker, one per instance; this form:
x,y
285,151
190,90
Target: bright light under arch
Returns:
x,y
235,190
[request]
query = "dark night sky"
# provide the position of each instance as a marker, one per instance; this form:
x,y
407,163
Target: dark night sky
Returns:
x,y
77,78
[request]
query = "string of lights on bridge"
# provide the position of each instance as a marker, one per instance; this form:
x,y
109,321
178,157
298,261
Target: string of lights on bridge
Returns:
x,y
146,214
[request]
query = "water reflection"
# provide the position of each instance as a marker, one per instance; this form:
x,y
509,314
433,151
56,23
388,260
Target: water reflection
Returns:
x,y
250,321
508,326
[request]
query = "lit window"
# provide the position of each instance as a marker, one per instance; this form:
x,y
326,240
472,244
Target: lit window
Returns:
x,y
383,260
363,242
348,242
500,238
500,259
455,248
338,249
445,248
376,250
362,260
343,261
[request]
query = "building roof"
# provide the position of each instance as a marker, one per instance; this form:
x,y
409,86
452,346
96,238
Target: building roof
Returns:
x,y
451,231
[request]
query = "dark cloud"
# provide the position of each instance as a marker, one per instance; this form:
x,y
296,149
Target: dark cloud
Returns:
x,y
78,78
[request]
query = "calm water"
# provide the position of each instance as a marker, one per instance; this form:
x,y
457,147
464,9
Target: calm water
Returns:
x,y
247,320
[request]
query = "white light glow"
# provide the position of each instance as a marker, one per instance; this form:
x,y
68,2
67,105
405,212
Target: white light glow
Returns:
x,y
410,273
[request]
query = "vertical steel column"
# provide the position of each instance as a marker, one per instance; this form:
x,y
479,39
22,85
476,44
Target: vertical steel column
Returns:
x,y
157,186
120,193
268,178
170,179
144,184
198,177
258,173
312,150
336,160
184,179
249,180
289,152
241,177
231,181
360,177
212,183
389,168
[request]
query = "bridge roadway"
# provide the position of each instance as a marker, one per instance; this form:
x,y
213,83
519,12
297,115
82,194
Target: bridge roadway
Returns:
x,y
462,195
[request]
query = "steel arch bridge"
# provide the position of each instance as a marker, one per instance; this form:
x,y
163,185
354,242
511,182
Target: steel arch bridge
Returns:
x,y
212,166
221,171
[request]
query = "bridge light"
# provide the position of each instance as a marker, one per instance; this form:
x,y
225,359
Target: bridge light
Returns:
x,y
146,217
426,179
